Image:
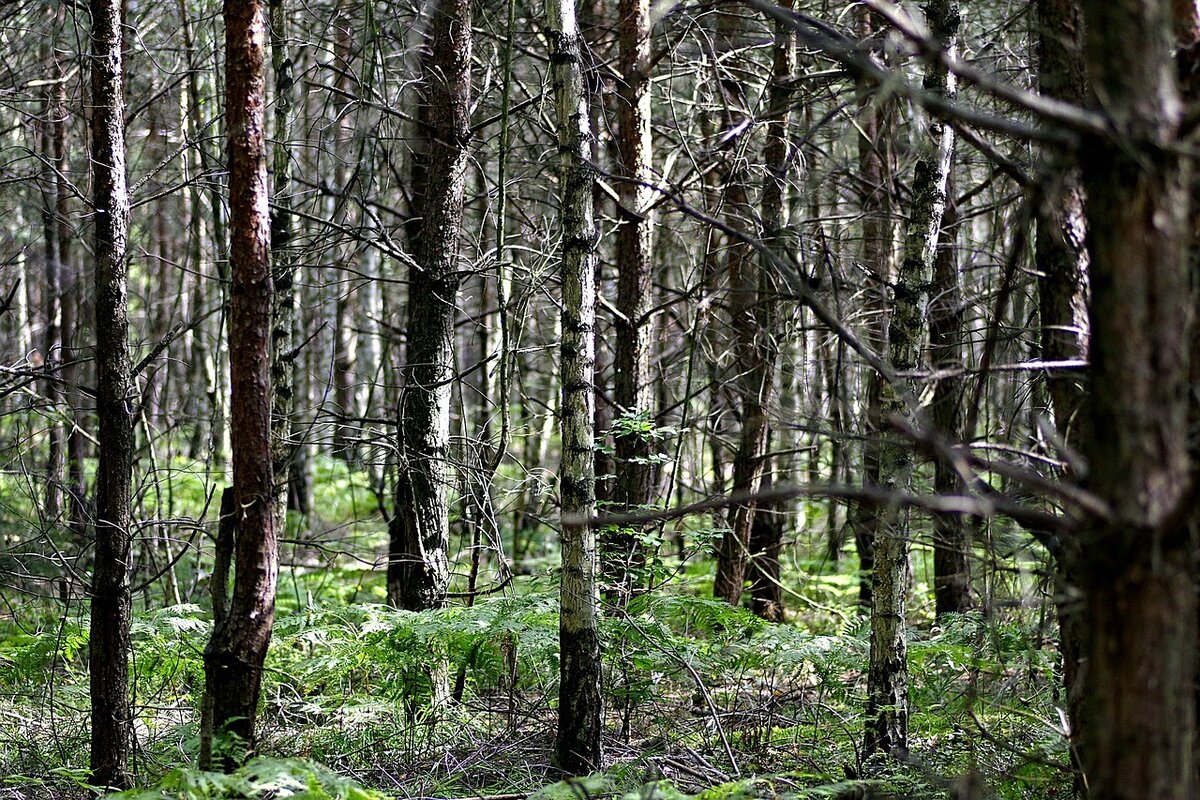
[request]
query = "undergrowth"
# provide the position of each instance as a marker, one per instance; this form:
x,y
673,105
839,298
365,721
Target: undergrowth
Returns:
x,y
703,701
699,695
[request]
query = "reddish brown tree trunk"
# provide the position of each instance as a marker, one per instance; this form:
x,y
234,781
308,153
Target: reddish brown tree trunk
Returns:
x,y
233,660
624,556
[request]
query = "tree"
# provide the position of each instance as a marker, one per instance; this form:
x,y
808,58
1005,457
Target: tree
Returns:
x,y
634,256
418,567
577,743
283,267
112,715
1062,265
952,590
233,660
752,346
887,671
1137,569
53,198
877,167
767,528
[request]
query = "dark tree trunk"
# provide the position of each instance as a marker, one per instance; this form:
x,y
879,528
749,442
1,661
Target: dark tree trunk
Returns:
x,y
766,541
766,531
752,343
951,532
1062,268
577,743
53,132
112,723
1137,570
418,568
234,658
1061,258
877,166
623,552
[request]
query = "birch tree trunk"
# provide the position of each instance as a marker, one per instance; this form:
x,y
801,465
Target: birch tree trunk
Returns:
x,y
418,567
283,266
233,660
577,746
108,651
887,671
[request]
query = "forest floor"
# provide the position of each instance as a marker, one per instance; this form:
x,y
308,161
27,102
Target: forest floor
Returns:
x,y
364,701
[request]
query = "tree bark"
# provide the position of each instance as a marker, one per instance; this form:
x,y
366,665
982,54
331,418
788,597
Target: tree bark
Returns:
x,y
624,554
752,343
1061,257
234,658
952,590
766,530
877,167
108,652
53,132
283,265
887,671
766,541
418,568
1137,570
1062,266
577,748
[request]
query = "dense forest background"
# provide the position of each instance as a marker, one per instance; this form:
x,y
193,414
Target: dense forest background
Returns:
x,y
719,399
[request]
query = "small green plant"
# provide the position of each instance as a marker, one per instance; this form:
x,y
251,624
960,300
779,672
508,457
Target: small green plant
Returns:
x,y
260,778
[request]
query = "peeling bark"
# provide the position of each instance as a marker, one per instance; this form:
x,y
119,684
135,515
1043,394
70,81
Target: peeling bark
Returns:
x,y
233,660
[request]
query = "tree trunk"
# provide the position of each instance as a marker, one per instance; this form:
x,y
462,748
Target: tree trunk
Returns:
x,y
234,658
577,745
766,530
1062,268
877,166
624,556
283,265
418,568
951,532
112,722
752,345
887,671
53,140
1061,258
766,541
1137,569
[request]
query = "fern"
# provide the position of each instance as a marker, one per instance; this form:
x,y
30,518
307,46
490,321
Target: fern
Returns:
x,y
261,777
